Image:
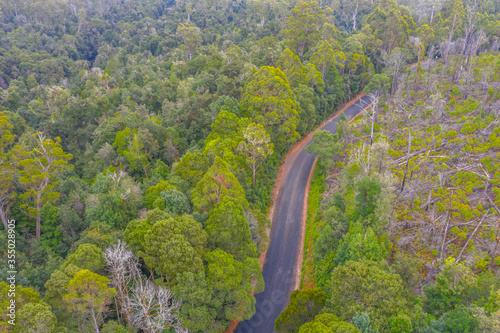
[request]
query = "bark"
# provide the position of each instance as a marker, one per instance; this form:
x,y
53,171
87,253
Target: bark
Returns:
x,y
470,237
354,15
94,320
3,216
408,156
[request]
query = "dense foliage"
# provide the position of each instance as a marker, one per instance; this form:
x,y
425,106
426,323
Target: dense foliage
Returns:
x,y
140,140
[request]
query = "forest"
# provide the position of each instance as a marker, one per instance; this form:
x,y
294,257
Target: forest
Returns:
x,y
141,140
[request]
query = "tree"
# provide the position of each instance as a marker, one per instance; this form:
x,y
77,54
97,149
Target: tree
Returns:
x,y
304,25
191,37
192,167
199,309
395,62
366,286
38,169
232,283
369,189
303,307
129,145
216,182
327,322
115,200
268,101
89,294
324,146
153,309
143,304
87,256
7,169
451,289
154,192
257,146
175,202
36,318
360,244
326,57
453,20
390,26
362,322
379,84
351,10
174,246
461,320
291,65
23,296
227,229
124,270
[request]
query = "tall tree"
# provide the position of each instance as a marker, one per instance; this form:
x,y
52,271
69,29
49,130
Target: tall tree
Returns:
x,y
38,169
304,25
7,169
191,37
326,57
303,307
174,246
36,318
257,146
89,294
217,181
324,146
366,286
268,101
227,228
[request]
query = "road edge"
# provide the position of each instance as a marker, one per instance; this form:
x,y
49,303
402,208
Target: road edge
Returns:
x,y
303,226
286,161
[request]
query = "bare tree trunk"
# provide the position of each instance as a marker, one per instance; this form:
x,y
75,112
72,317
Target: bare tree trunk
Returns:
x,y
444,238
94,319
408,154
354,15
472,235
254,167
3,216
452,30
38,217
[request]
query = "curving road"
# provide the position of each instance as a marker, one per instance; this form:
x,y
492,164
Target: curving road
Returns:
x,y
280,267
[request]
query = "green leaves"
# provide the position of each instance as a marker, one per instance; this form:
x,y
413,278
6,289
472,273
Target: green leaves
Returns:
x,y
304,26
256,146
326,57
89,295
303,307
216,182
268,101
366,286
379,84
191,37
326,323
227,229
38,169
174,246
361,244
325,147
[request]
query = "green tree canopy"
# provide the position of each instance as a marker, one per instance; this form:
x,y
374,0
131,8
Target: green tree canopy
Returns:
x,y
366,286
303,307
216,182
268,101
228,229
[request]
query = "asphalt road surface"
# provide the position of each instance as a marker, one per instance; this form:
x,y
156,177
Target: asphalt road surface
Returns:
x,y
282,255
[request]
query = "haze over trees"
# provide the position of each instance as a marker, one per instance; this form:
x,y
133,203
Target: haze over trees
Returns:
x,y
140,140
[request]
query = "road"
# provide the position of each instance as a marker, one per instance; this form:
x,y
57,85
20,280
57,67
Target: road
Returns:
x,y
280,267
